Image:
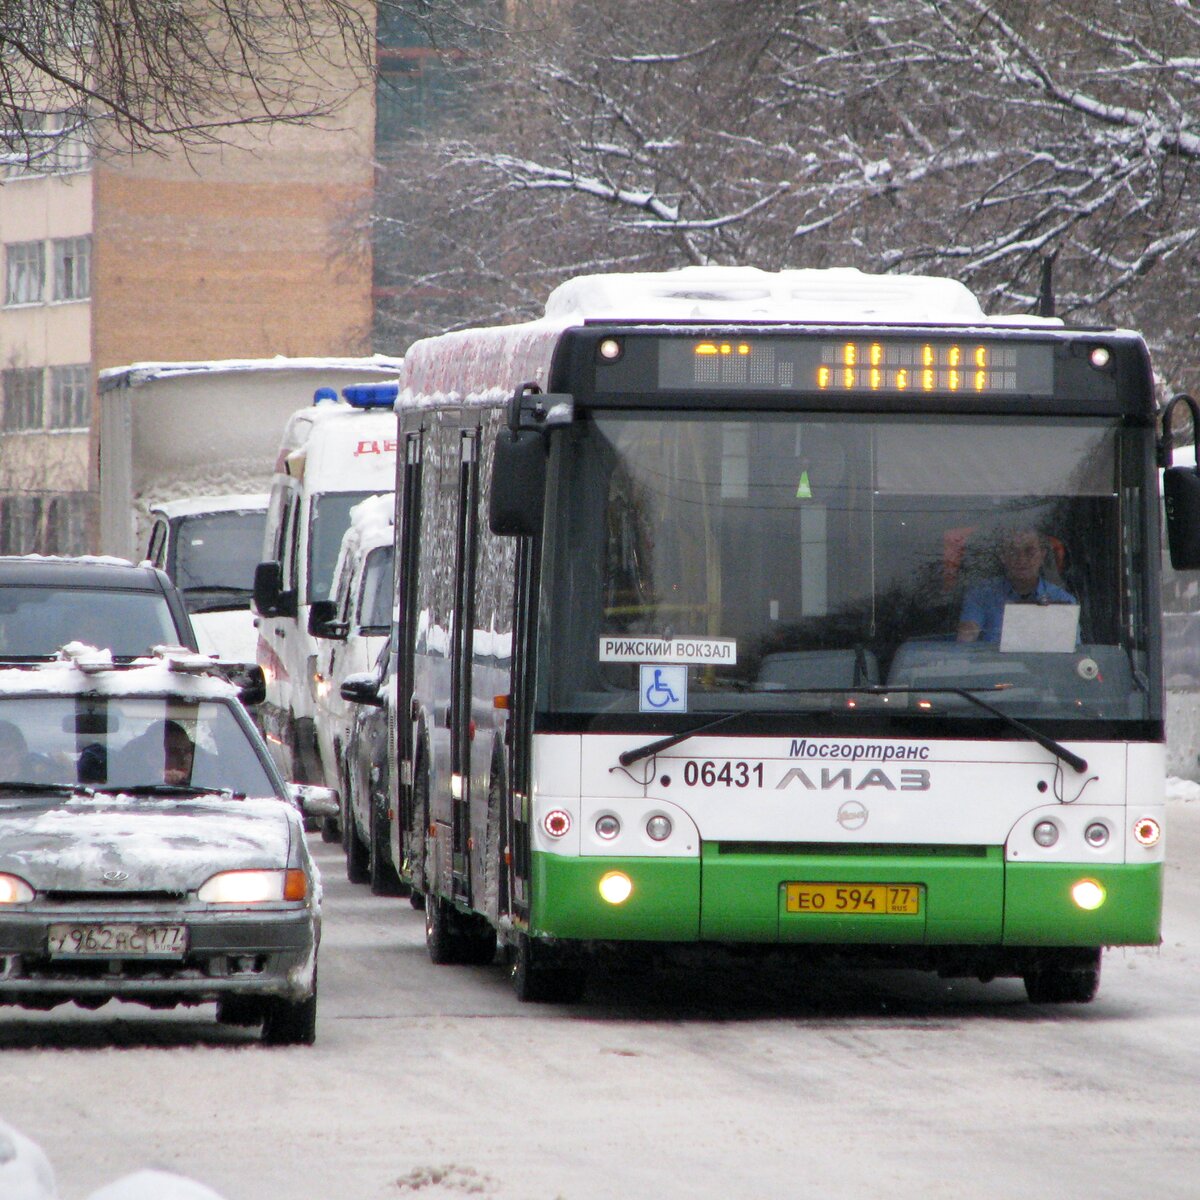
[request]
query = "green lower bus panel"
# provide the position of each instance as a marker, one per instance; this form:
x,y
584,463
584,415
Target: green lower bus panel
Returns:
x,y
663,905
896,898
1040,910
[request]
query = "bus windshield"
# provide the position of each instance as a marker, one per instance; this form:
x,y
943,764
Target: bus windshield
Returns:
x,y
728,561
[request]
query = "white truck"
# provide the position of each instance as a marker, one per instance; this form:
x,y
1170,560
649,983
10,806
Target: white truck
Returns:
x,y
334,454
174,430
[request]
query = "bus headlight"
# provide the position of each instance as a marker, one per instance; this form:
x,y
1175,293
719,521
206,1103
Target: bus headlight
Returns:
x,y
1088,894
616,887
1045,833
658,828
607,827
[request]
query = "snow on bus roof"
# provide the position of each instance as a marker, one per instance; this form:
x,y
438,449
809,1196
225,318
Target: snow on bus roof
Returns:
x,y
462,366
136,374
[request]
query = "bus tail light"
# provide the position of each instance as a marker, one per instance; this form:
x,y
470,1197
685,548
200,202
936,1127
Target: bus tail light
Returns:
x,y
557,822
1147,831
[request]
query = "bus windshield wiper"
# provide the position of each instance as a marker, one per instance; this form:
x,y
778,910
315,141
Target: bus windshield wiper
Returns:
x,y
1047,743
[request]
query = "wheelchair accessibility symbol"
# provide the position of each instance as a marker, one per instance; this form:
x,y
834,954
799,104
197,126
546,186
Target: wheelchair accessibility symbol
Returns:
x,y
662,689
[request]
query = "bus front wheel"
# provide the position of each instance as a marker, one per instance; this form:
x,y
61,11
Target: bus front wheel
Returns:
x,y
1063,977
537,978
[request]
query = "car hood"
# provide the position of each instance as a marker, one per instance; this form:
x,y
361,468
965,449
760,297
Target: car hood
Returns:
x,y
133,844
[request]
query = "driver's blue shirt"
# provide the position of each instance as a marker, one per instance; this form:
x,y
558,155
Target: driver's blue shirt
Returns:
x,y
984,604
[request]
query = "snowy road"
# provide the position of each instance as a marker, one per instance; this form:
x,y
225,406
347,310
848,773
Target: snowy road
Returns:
x,y
435,1082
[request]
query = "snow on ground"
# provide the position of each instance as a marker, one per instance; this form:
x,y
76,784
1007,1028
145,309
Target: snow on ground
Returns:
x,y
1185,790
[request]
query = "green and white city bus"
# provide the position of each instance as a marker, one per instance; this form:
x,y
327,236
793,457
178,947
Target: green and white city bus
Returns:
x,y
709,630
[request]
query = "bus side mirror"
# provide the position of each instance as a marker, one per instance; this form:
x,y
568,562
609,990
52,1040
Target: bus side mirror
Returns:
x,y
323,622
1181,497
270,600
1181,491
518,483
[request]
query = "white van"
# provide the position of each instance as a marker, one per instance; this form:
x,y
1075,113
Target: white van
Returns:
x,y
352,626
334,455
209,547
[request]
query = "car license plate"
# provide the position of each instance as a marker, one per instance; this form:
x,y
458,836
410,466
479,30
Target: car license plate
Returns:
x,y
862,899
118,941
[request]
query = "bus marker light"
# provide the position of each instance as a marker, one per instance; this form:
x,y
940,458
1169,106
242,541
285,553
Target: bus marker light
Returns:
x,y
659,828
1088,894
1096,835
1147,831
1045,833
1100,357
610,349
616,887
607,827
557,822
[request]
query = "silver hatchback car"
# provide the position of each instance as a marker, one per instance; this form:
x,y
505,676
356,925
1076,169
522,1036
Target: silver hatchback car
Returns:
x,y
149,850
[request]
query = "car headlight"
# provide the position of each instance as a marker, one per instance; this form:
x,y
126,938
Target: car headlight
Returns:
x,y
14,890
254,887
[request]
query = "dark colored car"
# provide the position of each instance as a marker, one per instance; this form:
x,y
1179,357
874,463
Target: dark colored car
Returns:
x,y
366,806
103,602
149,851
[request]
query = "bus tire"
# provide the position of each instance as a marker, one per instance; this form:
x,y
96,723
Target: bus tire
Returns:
x,y
382,876
442,939
538,981
1066,977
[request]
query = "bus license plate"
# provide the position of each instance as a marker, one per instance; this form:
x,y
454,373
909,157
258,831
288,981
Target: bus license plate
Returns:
x,y
118,941
864,899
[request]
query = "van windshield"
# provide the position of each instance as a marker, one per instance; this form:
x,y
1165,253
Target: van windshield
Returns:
x,y
328,521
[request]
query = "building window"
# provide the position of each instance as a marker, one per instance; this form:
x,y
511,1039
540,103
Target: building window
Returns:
x,y
24,273
70,397
44,524
72,268
48,144
22,398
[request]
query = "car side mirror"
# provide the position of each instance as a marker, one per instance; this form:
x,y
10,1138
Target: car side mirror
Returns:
x,y
362,689
323,622
270,600
314,801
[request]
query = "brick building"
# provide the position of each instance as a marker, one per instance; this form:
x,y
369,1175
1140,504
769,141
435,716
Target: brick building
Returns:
x,y
246,250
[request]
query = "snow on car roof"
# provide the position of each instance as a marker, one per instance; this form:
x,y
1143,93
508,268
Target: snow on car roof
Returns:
x,y
193,505
84,669
374,515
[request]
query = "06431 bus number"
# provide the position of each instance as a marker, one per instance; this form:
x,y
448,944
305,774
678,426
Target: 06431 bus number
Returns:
x,y
731,773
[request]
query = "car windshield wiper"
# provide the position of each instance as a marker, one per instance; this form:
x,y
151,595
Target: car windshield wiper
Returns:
x,y
169,789
26,787
1047,743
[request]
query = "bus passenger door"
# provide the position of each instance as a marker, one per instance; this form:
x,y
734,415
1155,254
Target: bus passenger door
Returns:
x,y
462,726
410,830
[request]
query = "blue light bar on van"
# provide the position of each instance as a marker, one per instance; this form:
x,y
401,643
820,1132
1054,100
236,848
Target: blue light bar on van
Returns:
x,y
325,393
371,395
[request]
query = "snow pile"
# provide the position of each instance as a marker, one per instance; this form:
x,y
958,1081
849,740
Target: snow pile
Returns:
x,y
154,1185
373,517
89,670
1185,790
25,1172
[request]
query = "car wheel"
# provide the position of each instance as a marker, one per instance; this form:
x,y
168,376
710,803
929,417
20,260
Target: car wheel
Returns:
x,y
291,1022
239,1010
384,878
357,855
1065,978
417,900
538,980
329,830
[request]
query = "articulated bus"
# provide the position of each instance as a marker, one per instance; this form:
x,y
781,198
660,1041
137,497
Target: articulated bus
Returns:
x,y
709,631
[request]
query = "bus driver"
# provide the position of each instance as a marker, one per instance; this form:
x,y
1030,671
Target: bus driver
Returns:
x,y
1022,555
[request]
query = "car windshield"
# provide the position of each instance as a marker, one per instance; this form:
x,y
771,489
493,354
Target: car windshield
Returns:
x,y
728,562
129,742
36,621
328,523
214,558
